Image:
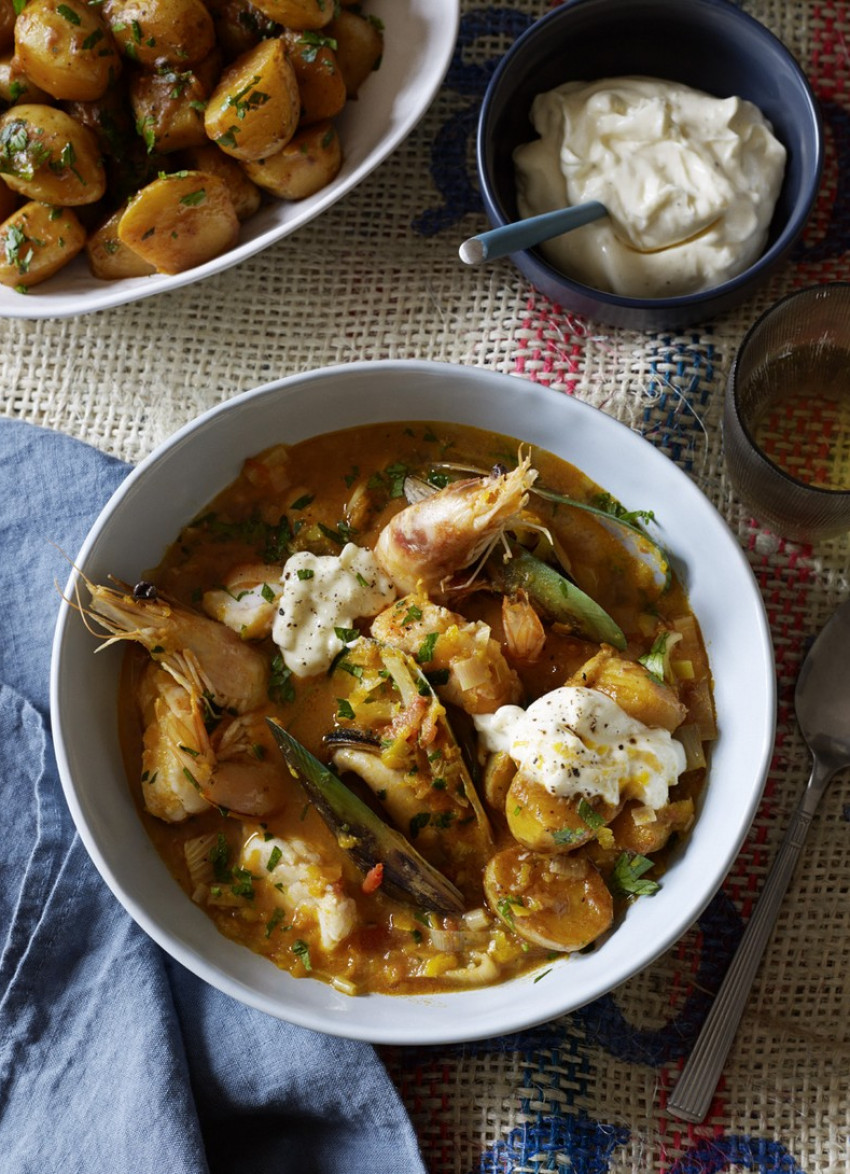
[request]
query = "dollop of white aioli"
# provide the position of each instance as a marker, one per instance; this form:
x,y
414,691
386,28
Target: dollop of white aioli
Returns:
x,y
690,183
321,593
578,742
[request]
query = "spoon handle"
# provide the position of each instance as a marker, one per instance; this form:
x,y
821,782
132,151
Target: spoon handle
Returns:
x,y
524,234
692,1096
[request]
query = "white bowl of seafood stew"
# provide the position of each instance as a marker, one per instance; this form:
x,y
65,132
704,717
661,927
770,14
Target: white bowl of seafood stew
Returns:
x,y
418,41
357,912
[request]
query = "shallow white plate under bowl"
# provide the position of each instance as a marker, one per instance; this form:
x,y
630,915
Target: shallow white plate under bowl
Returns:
x,y
184,474
419,39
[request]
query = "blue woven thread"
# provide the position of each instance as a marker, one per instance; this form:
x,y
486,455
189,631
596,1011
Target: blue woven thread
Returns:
x,y
606,1026
712,1155
450,168
554,1143
679,397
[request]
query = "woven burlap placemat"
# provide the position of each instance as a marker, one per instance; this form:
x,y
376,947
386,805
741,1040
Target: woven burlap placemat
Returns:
x,y
378,277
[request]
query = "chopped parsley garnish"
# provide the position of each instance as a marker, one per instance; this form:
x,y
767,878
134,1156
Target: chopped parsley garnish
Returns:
x,y
396,473
347,635
281,687
303,501
347,666
305,573
344,709
18,249
337,536
274,858
302,951
193,199
505,909
610,505
219,858
69,14
419,821
627,878
228,139
247,99
309,44
242,883
278,541
587,814
426,648
274,921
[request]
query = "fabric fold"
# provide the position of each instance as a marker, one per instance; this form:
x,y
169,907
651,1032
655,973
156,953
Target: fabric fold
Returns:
x,y
112,1055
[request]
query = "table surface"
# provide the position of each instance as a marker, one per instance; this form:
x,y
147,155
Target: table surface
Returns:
x,y
378,277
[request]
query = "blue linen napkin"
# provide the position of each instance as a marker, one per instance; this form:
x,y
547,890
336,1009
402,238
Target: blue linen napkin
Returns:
x,y
112,1055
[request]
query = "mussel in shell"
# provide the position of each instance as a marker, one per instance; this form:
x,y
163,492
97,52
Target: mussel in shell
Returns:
x,y
407,876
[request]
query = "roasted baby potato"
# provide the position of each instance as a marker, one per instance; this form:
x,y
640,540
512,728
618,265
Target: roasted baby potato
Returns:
x,y
254,110
305,165
15,86
298,14
644,831
105,100
66,49
168,106
109,258
109,119
244,194
36,241
359,48
320,80
634,689
161,32
560,903
180,221
552,823
45,155
239,26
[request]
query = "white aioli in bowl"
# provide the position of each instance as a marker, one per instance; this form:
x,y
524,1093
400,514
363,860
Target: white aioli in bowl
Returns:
x,y
690,183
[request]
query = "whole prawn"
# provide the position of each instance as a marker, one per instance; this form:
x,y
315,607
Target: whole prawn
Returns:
x,y
423,545
203,656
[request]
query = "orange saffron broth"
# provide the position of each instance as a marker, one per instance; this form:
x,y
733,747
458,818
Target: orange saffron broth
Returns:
x,y
348,484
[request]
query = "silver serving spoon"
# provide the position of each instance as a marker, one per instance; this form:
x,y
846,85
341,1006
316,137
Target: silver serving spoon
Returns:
x,y
823,711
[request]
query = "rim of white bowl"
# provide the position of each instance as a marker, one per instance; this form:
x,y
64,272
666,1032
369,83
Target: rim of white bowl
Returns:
x,y
509,1007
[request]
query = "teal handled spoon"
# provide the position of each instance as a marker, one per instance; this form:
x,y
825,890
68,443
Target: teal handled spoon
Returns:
x,y
525,234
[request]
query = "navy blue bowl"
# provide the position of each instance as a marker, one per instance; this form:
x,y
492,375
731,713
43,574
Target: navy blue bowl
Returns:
x,y
710,45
